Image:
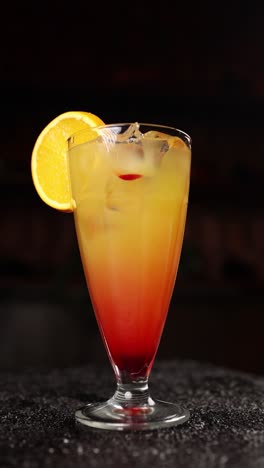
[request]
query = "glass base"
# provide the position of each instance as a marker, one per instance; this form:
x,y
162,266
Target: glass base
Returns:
x,y
113,416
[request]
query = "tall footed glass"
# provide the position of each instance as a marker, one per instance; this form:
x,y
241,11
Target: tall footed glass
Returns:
x,y
130,185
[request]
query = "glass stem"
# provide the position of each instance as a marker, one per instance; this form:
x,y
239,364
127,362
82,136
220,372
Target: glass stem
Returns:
x,y
132,394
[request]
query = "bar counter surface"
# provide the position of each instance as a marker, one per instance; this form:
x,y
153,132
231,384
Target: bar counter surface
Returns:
x,y
226,427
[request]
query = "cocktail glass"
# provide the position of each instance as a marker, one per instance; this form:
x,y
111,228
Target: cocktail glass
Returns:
x,y
130,185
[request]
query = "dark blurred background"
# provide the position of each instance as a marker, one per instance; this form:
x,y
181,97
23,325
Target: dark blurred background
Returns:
x,y
197,66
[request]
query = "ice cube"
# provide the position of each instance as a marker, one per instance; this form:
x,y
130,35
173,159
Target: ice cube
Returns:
x,y
154,150
132,134
111,196
133,155
113,135
138,158
128,159
172,141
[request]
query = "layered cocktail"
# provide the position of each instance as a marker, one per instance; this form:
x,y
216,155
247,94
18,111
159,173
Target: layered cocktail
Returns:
x,y
130,185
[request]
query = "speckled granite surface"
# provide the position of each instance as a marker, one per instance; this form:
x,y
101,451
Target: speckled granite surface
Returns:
x,y
226,428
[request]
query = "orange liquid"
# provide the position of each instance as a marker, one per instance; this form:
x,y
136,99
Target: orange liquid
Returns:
x,y
130,232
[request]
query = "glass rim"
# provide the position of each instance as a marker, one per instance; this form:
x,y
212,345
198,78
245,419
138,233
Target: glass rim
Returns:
x,y
186,137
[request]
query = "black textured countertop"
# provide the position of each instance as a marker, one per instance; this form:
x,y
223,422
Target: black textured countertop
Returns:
x,y
226,427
